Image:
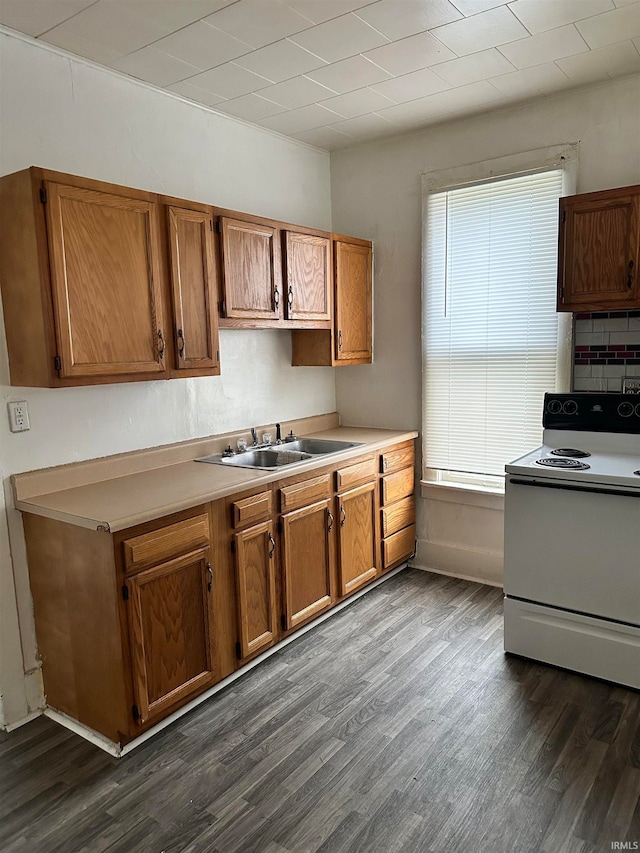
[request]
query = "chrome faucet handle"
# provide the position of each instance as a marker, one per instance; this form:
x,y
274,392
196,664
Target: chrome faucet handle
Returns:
x,y
229,451
291,437
267,438
242,445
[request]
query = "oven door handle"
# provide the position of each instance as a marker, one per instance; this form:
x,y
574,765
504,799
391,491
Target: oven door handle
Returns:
x,y
589,489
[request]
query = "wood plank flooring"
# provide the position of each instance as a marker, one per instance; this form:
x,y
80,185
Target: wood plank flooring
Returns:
x,y
397,725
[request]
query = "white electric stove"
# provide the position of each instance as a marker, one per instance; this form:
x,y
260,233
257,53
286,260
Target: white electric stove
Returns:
x,y
572,539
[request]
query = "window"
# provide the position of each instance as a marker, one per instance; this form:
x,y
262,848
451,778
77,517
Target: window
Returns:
x,y
490,330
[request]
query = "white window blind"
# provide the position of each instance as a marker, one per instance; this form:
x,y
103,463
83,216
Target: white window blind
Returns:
x,y
491,330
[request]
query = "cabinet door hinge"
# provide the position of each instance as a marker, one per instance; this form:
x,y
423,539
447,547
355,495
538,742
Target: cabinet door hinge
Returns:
x,y
218,356
135,712
57,363
564,216
211,225
43,195
233,546
279,525
283,622
223,308
219,227
125,592
238,651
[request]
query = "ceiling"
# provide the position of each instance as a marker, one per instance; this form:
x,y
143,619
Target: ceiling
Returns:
x,y
335,72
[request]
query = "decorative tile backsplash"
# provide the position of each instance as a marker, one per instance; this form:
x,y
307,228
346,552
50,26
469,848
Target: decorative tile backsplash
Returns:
x,y
606,348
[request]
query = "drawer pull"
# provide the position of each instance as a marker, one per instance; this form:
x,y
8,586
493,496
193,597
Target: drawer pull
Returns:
x,y
329,520
343,515
210,573
272,546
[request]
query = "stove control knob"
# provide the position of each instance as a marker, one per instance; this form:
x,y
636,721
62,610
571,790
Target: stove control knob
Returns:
x,y
638,410
554,407
570,407
625,410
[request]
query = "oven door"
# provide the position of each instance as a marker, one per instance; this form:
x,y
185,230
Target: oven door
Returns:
x,y
574,546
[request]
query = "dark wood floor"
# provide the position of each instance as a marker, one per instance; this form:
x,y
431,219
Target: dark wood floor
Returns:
x,y
397,725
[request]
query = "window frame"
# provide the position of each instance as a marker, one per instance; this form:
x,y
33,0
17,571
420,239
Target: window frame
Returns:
x,y
564,157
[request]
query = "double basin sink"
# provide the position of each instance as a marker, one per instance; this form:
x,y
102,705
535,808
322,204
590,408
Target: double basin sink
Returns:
x,y
275,456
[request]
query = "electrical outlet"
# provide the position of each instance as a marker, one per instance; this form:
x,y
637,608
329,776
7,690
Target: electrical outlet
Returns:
x,y
19,416
631,385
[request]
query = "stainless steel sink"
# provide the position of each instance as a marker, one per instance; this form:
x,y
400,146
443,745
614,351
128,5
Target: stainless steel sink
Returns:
x,y
276,456
320,446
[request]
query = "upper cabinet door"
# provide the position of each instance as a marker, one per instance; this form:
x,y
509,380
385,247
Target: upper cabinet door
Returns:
x,y
598,251
193,283
251,290
308,265
105,278
353,301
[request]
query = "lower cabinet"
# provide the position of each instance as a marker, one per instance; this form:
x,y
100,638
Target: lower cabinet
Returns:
x,y
169,629
134,624
307,558
255,588
357,537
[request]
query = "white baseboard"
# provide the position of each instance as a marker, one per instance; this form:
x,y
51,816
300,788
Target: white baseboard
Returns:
x,y
477,566
16,725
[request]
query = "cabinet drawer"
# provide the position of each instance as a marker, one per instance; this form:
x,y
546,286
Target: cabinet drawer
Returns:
x,y
397,486
398,515
354,474
395,460
306,492
398,547
250,510
146,550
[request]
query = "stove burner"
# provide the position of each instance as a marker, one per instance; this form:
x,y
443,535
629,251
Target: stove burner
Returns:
x,y
571,452
557,462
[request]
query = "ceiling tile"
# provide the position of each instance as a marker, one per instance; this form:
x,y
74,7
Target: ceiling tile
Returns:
x,y
539,17
624,2
280,61
297,92
613,60
412,86
407,114
369,125
488,29
305,118
532,82
476,66
474,7
195,93
545,47
171,14
229,81
259,22
399,18
202,45
154,66
353,73
340,38
474,97
320,11
357,103
611,27
38,16
97,25
250,107
324,137
410,54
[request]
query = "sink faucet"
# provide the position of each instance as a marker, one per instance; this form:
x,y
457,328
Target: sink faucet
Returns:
x,y
254,436
278,434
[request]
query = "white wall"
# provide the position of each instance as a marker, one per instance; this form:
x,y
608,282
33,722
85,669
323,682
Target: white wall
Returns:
x,y
65,114
376,193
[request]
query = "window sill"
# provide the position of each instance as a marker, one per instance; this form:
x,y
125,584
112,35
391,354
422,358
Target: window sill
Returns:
x,y
459,494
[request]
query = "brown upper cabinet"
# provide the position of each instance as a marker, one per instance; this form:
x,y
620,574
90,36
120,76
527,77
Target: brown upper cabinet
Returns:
x,y
86,272
193,275
349,340
251,289
308,276
599,251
